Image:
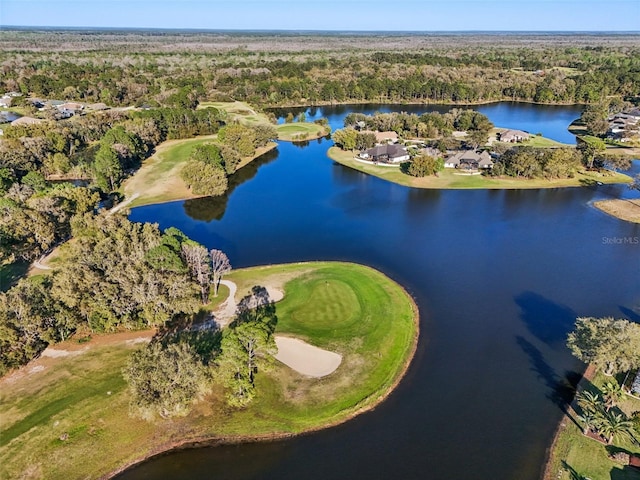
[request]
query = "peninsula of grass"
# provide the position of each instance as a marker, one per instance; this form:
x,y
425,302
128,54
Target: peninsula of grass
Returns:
x,y
627,210
289,132
61,409
158,179
574,455
451,178
301,131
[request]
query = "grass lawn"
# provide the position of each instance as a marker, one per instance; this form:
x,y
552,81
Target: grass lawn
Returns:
x,y
59,412
301,131
587,457
158,179
453,179
628,210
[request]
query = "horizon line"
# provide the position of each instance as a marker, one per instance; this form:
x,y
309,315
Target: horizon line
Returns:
x,y
302,31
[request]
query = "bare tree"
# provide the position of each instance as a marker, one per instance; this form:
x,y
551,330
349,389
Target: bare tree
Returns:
x,y
198,260
220,266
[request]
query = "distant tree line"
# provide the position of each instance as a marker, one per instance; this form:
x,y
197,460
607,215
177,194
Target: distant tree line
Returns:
x,y
553,74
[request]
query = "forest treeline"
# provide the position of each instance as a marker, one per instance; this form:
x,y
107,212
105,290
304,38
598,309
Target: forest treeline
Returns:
x,y
550,73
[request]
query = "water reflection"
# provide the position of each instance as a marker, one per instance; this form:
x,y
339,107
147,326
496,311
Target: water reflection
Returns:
x,y
206,209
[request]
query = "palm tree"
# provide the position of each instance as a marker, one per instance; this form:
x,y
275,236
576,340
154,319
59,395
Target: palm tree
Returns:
x,y
611,424
589,402
612,393
590,421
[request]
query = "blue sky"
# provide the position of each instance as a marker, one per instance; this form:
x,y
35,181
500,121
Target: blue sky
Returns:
x,y
417,15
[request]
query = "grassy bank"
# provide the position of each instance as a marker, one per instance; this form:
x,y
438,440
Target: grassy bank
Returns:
x,y
58,411
574,455
628,210
158,179
454,179
301,131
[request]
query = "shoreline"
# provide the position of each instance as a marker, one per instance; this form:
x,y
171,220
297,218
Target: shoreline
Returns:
x,y
213,441
446,179
562,424
323,103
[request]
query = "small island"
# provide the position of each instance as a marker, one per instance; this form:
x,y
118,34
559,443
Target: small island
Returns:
x,y
366,324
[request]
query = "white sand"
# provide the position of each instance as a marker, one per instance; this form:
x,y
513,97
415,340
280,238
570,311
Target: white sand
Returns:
x,y
306,359
227,310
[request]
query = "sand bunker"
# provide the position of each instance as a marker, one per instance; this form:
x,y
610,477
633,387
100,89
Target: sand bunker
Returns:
x,y
306,359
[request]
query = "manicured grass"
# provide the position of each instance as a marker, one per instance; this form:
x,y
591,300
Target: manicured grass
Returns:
x,y
349,309
539,141
451,178
158,179
301,131
588,457
628,210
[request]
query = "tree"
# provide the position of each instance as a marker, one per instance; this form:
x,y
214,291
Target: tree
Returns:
x,y
589,402
107,168
591,149
164,380
594,118
204,178
476,138
611,344
613,424
248,347
424,165
345,138
238,137
590,421
220,266
207,153
198,261
612,393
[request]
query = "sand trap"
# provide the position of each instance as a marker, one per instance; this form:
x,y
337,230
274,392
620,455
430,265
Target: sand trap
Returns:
x,y
227,310
306,359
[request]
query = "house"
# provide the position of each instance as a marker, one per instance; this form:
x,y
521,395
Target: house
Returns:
x,y
513,136
386,154
469,160
6,101
26,121
70,107
383,137
98,106
635,388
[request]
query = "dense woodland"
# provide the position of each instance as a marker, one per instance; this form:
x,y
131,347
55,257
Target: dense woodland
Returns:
x,y
153,68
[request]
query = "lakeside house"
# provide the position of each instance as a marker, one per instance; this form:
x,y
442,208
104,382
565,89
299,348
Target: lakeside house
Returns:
x,y
390,153
624,126
26,121
383,137
513,136
469,160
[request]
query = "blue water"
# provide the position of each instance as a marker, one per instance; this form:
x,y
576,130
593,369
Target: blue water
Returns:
x,y
550,120
499,277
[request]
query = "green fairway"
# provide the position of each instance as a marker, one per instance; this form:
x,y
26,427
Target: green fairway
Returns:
x,y
451,178
158,179
58,412
301,131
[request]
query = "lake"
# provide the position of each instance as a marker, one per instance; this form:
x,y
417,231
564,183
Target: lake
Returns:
x,y
499,277
550,120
